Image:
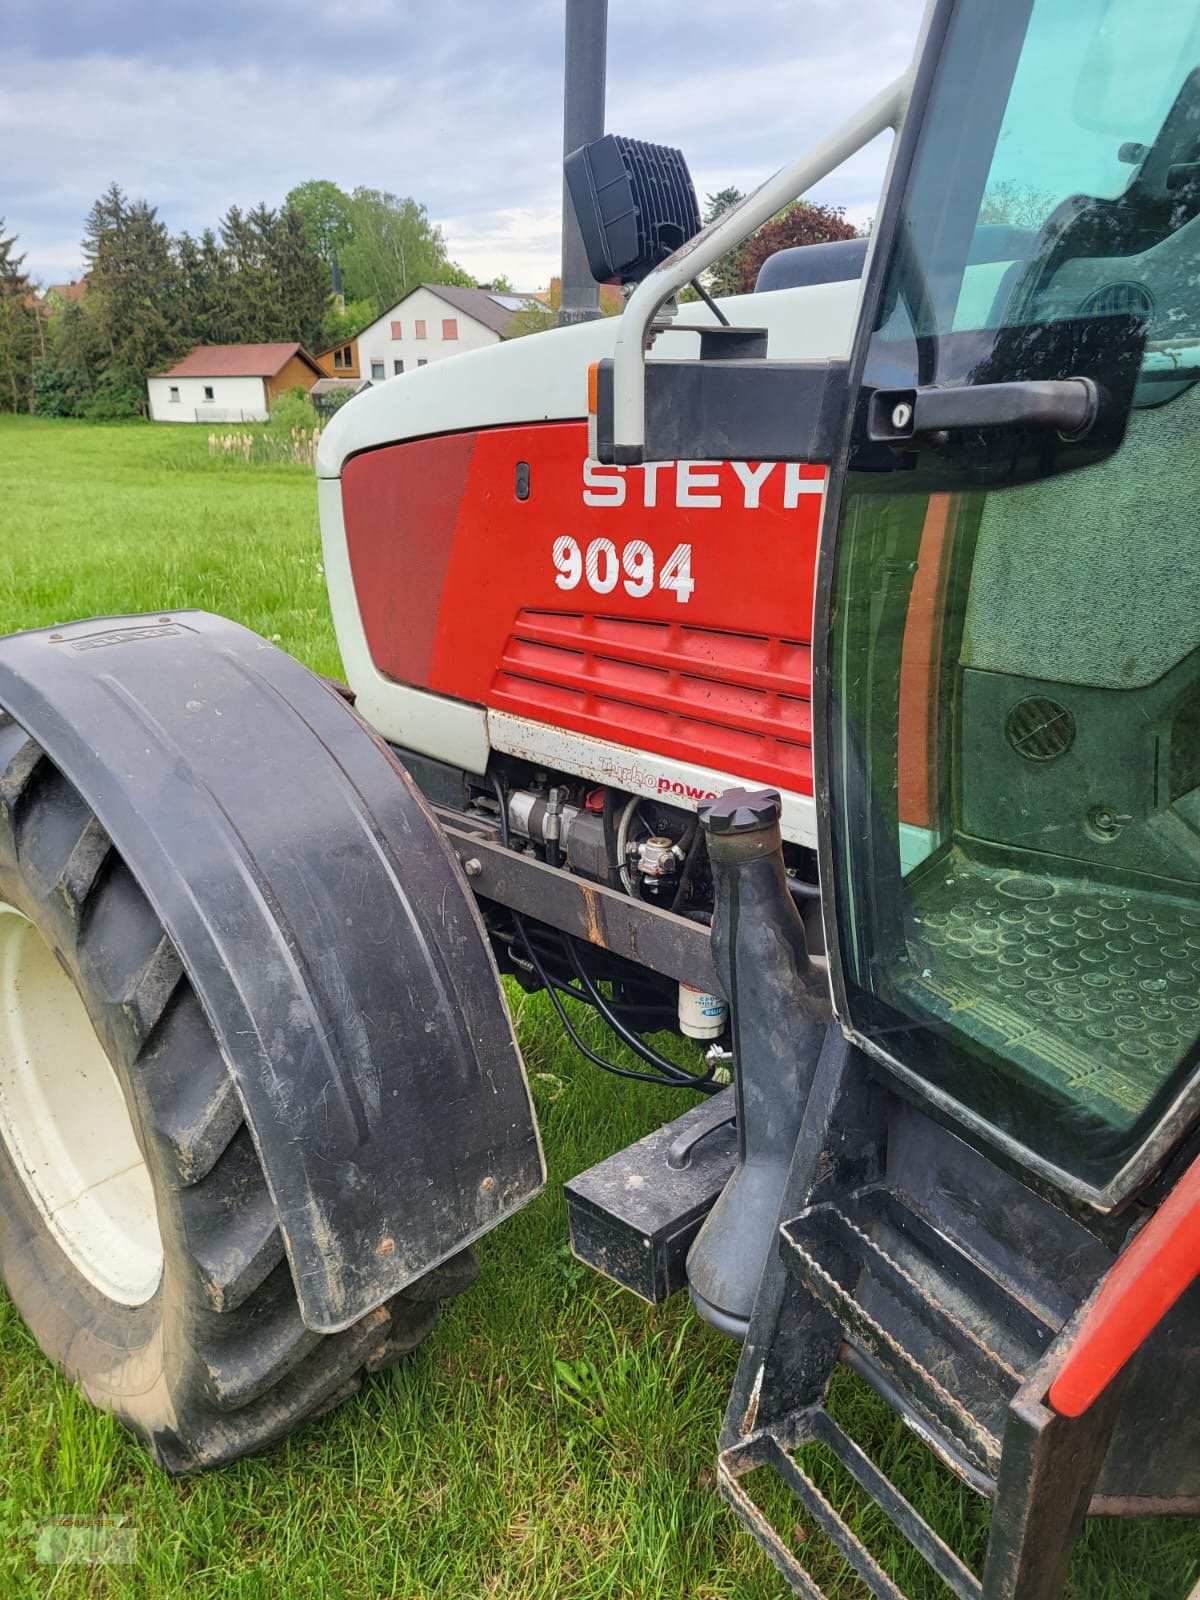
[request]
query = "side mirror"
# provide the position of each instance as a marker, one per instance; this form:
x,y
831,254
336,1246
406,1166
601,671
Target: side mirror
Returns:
x,y
636,203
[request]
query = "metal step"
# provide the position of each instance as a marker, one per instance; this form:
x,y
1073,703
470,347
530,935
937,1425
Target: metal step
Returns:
x,y
773,1450
954,1340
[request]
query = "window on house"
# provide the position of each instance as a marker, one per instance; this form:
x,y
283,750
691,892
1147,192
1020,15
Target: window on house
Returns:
x,y
343,357
418,330
173,394
377,372
422,363
449,327
208,391
397,331
397,368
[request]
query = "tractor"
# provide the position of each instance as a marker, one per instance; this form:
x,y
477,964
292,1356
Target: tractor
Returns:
x,y
815,672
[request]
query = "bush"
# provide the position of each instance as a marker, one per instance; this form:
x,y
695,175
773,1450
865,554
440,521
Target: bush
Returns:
x,y
292,410
118,395
56,391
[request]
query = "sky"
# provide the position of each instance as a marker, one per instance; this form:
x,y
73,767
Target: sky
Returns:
x,y
197,105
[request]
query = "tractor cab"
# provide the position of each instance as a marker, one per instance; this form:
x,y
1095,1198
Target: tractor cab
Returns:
x,y
1013,690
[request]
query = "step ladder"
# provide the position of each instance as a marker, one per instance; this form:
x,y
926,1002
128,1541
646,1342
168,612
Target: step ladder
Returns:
x,y
868,1277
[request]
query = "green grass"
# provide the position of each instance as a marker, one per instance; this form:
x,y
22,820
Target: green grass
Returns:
x,y
555,1438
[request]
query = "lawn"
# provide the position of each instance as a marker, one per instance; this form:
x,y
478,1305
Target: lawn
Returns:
x,y
555,1437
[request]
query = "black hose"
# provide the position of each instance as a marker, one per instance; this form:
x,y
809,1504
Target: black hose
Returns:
x,y
659,1010
799,890
502,800
686,1081
691,855
626,1035
638,995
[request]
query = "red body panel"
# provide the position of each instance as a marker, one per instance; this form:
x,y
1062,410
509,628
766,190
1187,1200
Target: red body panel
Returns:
x,y
469,590
1149,1276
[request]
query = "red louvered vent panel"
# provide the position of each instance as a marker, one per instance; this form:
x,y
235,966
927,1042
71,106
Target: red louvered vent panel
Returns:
x,y
738,702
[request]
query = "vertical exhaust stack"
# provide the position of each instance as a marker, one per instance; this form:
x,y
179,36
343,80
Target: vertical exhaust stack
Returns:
x,y
583,122
776,999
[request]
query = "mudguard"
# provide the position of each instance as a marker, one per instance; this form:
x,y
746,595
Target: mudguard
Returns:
x,y
325,924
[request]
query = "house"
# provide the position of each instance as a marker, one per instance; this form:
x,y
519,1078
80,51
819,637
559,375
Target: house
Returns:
x,y
433,321
59,295
230,382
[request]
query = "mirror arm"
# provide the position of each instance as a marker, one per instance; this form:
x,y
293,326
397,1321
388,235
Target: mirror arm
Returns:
x,y
886,110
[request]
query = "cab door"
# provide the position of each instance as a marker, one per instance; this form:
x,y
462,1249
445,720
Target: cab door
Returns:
x,y
1008,686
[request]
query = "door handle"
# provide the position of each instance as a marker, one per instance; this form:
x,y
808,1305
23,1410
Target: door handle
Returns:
x,y
920,418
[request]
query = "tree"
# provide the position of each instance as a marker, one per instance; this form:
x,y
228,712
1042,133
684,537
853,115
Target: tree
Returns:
x,y
460,278
537,317
206,287
798,224
719,279
716,205
533,317
1017,204
300,278
132,274
343,320
252,308
394,248
326,213
20,327
65,380
279,286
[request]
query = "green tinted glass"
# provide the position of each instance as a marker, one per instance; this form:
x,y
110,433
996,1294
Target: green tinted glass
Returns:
x,y
1015,736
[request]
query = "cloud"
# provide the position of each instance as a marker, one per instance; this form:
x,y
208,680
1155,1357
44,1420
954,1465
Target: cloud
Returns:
x,y
196,105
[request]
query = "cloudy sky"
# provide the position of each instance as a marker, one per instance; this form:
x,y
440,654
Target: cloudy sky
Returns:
x,y
196,105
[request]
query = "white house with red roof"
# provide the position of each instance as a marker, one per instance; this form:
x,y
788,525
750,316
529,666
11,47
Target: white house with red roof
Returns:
x,y
230,382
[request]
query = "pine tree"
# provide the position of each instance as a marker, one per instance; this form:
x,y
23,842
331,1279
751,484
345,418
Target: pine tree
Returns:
x,y
65,381
246,312
302,279
206,290
278,284
20,327
721,277
132,273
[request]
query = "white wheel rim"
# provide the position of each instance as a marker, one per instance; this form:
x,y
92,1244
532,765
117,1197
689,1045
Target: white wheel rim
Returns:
x,y
66,1125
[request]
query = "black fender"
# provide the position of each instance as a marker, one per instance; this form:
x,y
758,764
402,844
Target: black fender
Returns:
x,y
326,925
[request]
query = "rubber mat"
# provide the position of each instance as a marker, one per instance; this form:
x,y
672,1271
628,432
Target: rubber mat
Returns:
x,y
1093,989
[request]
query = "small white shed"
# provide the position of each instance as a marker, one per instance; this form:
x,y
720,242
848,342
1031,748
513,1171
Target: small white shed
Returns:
x,y
230,382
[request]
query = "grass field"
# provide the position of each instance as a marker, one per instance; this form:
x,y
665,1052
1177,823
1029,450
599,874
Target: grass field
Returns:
x,y
555,1438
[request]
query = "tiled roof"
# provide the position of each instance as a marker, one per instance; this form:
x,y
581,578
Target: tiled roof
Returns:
x,y
493,307
68,291
238,361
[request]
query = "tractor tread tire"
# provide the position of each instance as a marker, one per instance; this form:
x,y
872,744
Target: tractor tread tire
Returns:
x,y
217,1363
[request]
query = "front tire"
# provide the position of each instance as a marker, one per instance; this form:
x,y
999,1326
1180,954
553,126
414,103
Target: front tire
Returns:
x,y
137,1237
